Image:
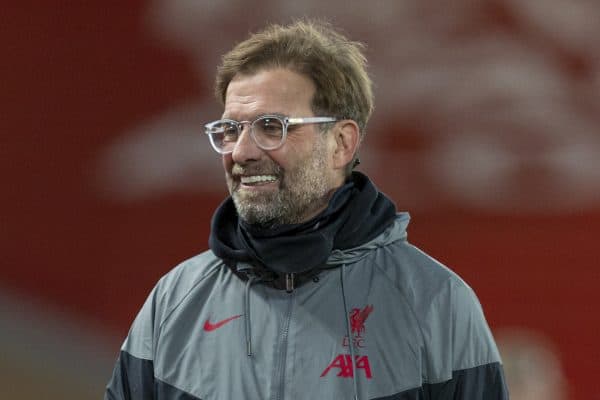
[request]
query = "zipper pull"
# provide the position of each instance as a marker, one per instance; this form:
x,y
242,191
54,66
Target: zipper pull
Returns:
x,y
289,283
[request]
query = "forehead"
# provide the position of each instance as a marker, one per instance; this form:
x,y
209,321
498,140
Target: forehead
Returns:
x,y
276,90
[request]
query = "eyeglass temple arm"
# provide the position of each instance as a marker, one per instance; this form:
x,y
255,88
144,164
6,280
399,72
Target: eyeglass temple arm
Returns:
x,y
310,120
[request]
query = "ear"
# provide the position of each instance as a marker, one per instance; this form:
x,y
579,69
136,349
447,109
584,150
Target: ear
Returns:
x,y
347,137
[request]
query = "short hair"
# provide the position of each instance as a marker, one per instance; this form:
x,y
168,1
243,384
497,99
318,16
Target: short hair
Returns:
x,y
336,65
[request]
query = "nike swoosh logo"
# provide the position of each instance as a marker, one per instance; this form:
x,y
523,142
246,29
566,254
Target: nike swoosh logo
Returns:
x,y
208,326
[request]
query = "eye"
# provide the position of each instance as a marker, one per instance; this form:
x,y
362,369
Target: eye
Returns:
x,y
269,126
230,133
224,132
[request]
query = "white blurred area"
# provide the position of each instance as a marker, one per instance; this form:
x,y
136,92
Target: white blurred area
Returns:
x,y
532,366
46,353
504,95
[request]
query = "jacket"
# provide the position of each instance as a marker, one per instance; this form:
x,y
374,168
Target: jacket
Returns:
x,y
380,321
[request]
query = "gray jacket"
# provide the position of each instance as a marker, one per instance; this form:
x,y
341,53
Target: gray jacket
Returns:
x,y
382,321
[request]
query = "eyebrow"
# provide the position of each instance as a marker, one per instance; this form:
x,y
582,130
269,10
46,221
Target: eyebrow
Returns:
x,y
256,116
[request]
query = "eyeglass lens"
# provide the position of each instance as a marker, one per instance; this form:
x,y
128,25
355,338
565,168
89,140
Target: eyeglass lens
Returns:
x,y
267,132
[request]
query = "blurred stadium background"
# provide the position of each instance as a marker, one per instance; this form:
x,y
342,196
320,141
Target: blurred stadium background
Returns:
x,y
487,129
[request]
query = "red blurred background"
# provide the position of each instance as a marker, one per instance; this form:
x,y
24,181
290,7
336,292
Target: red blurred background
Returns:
x,y
486,130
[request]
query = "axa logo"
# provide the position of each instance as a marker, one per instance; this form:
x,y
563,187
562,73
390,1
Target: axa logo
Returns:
x,y
342,363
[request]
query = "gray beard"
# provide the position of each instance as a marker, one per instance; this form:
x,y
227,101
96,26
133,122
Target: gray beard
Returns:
x,y
276,209
303,190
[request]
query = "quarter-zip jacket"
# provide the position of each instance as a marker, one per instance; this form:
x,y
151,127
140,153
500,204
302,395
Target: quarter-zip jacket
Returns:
x,y
380,321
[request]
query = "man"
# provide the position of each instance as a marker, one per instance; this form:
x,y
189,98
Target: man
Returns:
x,y
310,289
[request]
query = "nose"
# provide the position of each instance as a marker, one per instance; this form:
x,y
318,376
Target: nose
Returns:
x,y
245,148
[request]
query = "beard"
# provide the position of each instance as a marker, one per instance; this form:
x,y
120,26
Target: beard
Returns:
x,y
303,191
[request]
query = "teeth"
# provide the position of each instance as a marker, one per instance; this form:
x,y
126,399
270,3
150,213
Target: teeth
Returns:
x,y
258,178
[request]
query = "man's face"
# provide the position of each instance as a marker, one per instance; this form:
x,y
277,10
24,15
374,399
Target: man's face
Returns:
x,y
294,182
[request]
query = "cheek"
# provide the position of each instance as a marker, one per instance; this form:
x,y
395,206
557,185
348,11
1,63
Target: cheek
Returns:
x,y
292,153
282,158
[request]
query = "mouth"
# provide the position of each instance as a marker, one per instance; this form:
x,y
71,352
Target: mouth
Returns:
x,y
257,180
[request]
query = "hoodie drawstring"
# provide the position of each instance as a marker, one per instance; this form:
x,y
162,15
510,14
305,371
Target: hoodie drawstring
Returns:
x,y
349,333
249,282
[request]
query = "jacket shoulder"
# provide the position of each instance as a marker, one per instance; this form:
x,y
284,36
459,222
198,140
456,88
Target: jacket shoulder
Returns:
x,y
414,272
176,284
166,296
455,332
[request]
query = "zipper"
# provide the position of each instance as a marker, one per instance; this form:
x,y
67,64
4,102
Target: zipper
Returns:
x,y
289,283
279,373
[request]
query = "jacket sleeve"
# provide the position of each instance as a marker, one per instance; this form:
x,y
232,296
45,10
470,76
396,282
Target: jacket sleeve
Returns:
x,y
133,375
463,360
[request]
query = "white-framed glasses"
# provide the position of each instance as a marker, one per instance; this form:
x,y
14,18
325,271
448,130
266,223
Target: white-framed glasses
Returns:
x,y
268,131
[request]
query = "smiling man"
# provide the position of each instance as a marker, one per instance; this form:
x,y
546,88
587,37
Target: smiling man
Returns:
x,y
292,183
310,289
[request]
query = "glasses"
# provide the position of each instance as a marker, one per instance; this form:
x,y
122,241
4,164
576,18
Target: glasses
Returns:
x,y
268,131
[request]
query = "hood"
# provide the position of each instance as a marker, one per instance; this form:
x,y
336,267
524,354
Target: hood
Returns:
x,y
394,233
